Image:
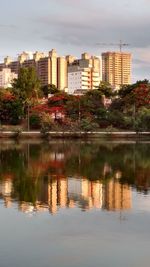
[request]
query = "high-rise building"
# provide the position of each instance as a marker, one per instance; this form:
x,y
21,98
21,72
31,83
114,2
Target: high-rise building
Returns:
x,y
22,57
88,61
62,73
82,79
53,67
14,66
7,77
43,66
46,66
84,73
38,55
70,59
7,60
116,68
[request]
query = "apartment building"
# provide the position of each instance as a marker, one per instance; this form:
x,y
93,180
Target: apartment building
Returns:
x,y
52,69
82,79
43,67
62,72
84,73
116,68
7,77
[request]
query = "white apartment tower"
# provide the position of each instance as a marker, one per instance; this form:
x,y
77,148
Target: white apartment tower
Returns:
x,y
6,78
84,73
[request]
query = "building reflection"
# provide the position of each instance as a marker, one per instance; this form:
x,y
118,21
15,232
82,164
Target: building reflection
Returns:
x,y
6,191
58,192
117,196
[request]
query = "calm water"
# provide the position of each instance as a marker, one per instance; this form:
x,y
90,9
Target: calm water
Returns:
x,y
74,204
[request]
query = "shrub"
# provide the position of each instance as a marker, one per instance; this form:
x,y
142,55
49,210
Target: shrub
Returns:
x,y
46,121
87,125
35,121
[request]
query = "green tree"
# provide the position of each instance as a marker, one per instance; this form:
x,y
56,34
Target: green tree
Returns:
x,y
92,103
27,85
125,110
74,108
105,89
49,89
88,125
144,119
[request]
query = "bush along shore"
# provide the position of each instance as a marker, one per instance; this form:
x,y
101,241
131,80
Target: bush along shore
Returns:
x,y
28,109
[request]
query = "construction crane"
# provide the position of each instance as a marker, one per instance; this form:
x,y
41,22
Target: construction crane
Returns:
x,y
120,44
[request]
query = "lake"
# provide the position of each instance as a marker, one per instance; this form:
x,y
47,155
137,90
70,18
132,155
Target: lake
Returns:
x,y
74,204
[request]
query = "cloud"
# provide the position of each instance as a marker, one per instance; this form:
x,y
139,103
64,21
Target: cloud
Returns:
x,y
139,62
91,28
73,26
7,26
84,21
81,26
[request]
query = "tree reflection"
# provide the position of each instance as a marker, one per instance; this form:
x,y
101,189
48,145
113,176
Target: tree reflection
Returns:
x,y
69,173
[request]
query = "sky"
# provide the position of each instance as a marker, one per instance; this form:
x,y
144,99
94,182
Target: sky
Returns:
x,y
76,26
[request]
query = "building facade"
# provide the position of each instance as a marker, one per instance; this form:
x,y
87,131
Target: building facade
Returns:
x,y
84,73
50,68
7,77
62,72
82,79
116,68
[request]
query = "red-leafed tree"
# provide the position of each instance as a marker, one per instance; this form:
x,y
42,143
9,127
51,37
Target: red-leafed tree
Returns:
x,y
142,95
136,95
11,110
58,100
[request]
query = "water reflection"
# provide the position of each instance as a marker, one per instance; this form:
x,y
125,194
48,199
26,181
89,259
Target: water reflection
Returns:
x,y
48,177
63,192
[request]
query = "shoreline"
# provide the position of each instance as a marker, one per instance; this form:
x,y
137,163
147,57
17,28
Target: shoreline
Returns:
x,y
77,134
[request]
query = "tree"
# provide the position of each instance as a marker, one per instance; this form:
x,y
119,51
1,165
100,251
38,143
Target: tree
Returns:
x,y
127,89
131,99
142,95
105,89
27,85
144,119
88,125
11,109
92,102
74,107
59,100
49,89
26,88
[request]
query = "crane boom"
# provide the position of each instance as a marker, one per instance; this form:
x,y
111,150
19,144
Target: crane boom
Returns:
x,y
120,44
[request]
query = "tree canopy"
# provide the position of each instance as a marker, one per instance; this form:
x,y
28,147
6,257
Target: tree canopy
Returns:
x,y
27,85
105,89
49,89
